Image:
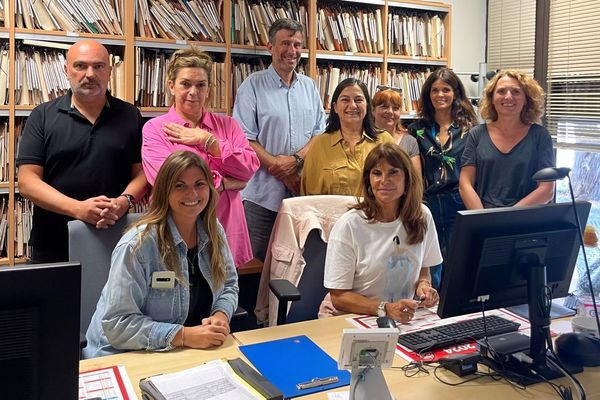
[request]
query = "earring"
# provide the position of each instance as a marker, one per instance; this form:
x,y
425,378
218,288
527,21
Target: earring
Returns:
x,y
370,191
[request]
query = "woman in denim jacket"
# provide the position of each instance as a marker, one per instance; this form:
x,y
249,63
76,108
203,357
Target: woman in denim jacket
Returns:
x,y
172,281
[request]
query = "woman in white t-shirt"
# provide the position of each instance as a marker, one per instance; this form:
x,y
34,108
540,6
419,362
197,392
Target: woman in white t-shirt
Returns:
x,y
379,253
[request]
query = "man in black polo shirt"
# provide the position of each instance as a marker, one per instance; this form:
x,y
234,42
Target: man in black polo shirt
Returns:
x,y
80,155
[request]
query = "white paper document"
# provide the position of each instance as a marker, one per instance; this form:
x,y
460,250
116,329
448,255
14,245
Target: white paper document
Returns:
x,y
106,383
213,380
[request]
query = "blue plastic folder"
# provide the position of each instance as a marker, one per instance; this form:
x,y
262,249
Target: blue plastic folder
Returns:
x,y
287,362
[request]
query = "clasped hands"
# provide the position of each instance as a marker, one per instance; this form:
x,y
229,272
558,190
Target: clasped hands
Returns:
x,y
285,168
212,332
404,310
101,211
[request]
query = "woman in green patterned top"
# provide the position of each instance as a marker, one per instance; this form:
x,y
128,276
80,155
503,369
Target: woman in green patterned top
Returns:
x,y
445,117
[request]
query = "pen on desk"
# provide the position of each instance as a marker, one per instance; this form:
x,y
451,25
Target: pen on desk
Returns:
x,y
316,382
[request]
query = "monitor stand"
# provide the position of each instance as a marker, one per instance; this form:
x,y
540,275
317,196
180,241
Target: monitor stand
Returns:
x,y
368,383
538,363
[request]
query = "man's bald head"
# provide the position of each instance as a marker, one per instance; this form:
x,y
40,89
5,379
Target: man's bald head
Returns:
x,y
88,70
87,46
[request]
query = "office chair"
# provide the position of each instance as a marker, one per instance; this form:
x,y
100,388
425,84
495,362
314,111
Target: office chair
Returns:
x,y
307,297
93,248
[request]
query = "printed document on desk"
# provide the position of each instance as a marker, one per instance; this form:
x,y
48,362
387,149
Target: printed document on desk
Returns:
x,y
106,383
292,361
214,380
427,318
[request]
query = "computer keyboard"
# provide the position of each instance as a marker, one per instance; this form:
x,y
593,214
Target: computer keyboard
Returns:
x,y
458,332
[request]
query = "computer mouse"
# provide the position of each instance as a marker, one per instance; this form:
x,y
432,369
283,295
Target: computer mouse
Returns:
x,y
386,322
578,348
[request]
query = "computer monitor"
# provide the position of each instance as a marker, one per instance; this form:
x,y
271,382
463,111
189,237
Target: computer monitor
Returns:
x,y
484,250
508,256
39,331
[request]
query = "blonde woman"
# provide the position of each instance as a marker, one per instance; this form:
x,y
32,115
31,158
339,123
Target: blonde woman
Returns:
x,y
501,156
218,139
172,281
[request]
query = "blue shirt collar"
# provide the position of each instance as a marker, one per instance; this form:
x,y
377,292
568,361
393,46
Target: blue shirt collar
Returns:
x,y
272,73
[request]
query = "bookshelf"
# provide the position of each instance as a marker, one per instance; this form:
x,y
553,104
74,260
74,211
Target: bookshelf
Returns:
x,y
141,34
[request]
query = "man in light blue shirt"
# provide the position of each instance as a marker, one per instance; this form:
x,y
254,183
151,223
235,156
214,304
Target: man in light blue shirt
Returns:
x,y
280,111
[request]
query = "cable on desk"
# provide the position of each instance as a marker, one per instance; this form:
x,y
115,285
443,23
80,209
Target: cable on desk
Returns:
x,y
554,360
516,379
415,368
475,376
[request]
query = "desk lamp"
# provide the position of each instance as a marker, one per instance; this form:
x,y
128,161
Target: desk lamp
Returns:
x,y
577,347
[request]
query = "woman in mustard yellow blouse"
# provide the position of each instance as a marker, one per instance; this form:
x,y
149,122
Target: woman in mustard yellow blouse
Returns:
x,y
335,159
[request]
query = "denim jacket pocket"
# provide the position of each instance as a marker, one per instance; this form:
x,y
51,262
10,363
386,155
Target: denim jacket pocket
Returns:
x,y
163,305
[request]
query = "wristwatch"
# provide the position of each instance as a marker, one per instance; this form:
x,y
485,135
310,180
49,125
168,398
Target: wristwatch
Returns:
x,y
381,309
299,160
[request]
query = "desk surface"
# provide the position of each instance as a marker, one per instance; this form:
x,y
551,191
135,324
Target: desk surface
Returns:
x,y
327,334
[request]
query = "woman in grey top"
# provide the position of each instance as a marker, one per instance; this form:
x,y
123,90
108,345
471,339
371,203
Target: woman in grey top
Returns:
x,y
387,105
501,155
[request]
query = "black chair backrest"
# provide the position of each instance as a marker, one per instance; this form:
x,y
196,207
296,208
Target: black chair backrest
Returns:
x,y
311,282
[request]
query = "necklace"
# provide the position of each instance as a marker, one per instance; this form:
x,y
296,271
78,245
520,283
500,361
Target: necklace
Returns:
x,y
191,256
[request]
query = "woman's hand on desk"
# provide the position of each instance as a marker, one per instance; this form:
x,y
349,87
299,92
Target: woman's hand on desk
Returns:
x,y
401,310
211,333
219,318
204,336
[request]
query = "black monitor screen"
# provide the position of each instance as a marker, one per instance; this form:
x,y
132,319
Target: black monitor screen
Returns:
x,y
490,250
39,331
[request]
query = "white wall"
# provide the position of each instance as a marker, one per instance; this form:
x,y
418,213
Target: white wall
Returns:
x,y
468,37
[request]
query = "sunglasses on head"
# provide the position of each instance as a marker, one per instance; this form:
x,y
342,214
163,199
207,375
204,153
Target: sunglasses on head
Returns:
x,y
381,88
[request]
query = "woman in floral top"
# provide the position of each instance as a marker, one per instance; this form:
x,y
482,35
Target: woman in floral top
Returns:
x,y
445,117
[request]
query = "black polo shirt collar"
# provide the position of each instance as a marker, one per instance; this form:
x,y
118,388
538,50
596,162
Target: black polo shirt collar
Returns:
x,y
65,103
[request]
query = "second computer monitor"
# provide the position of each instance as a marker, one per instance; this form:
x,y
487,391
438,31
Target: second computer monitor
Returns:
x,y
39,331
491,251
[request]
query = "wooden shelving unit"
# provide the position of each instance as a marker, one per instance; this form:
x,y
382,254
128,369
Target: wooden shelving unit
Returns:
x,y
223,52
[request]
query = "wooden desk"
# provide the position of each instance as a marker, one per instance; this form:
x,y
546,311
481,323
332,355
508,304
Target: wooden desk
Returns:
x,y
327,334
141,364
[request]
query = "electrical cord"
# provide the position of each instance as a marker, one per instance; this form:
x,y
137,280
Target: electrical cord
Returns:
x,y
555,361
562,391
362,373
415,368
496,363
360,379
476,375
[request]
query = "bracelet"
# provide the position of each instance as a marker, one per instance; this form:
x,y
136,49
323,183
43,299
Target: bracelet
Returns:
x,y
183,336
207,140
210,140
129,198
